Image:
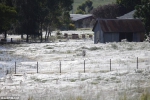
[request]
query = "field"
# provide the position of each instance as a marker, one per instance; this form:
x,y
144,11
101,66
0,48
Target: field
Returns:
x,y
61,74
96,3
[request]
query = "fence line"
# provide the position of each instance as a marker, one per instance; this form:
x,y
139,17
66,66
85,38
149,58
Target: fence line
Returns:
x,y
76,65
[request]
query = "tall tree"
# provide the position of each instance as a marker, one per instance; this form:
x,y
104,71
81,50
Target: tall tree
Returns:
x,y
34,14
106,11
143,12
7,17
128,5
85,7
89,5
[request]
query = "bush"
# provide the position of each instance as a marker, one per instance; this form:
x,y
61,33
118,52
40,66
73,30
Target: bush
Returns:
x,y
145,96
58,33
114,46
72,27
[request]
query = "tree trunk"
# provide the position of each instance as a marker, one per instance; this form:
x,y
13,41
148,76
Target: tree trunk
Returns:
x,y
22,36
27,39
41,34
46,35
5,36
49,32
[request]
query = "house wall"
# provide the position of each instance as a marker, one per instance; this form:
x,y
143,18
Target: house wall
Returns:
x,y
111,37
83,23
136,37
98,34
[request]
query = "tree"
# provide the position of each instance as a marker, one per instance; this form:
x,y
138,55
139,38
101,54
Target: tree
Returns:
x,y
58,15
89,5
106,11
79,11
143,12
7,18
36,14
84,8
29,17
128,5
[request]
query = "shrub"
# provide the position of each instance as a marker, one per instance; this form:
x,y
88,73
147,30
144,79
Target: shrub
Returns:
x,y
145,96
72,27
58,33
114,46
93,48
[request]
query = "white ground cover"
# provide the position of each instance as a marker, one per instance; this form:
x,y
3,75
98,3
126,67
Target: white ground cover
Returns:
x,y
123,82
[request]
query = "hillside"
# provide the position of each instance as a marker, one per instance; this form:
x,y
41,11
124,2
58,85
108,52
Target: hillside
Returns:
x,y
95,3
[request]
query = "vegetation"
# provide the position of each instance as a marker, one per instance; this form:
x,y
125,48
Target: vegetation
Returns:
x,y
72,27
7,17
31,17
143,12
128,5
107,11
35,15
85,7
145,96
95,4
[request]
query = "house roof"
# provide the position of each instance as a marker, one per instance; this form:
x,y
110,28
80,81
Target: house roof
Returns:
x,y
127,16
121,25
76,17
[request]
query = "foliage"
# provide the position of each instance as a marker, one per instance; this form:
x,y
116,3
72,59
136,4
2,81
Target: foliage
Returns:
x,y
79,11
106,11
128,5
85,7
7,17
34,15
72,27
145,96
143,12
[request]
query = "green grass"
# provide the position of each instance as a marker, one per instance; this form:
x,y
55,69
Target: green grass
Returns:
x,y
96,3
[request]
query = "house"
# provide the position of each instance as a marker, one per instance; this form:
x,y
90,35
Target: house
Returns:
x,y
114,30
81,20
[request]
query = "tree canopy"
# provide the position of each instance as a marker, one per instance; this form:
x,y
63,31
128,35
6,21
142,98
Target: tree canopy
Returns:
x,y
35,15
143,12
7,17
85,7
128,5
107,11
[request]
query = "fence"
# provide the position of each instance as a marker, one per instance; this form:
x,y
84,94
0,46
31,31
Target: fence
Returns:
x,y
83,66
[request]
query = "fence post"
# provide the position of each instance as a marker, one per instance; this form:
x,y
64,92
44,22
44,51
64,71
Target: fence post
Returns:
x,y
137,62
15,67
110,64
84,66
37,67
11,40
60,66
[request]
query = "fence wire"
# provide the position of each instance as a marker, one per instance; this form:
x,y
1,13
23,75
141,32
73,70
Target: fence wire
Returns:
x,y
71,66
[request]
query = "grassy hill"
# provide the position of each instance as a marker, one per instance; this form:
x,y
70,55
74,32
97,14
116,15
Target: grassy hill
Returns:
x,y
95,3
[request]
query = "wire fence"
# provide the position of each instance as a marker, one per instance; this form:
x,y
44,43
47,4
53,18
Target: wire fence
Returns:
x,y
82,66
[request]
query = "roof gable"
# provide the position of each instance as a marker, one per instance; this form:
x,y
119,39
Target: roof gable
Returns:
x,y
127,15
76,17
121,25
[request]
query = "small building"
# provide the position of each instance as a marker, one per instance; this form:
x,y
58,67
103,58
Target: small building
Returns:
x,y
114,30
81,20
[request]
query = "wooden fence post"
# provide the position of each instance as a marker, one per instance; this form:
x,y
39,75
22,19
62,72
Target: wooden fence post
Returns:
x,y
110,64
37,67
11,39
60,66
15,67
84,66
137,62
